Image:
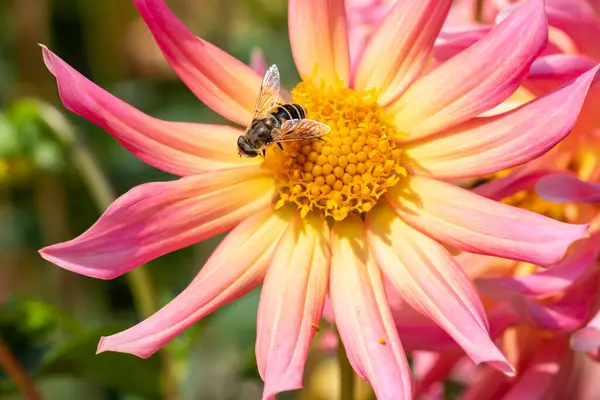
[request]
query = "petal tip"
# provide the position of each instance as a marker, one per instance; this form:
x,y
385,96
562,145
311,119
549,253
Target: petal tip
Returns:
x,y
54,255
585,339
503,366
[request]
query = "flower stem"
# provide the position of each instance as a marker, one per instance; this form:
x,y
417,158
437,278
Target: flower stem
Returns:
x,y
17,373
102,193
346,374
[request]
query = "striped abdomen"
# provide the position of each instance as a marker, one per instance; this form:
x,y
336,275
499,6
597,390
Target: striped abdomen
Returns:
x,y
289,111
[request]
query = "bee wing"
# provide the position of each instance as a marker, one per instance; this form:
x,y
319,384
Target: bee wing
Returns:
x,y
299,129
268,95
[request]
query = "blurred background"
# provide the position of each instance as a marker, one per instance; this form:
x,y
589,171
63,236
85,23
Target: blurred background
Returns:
x,y
58,172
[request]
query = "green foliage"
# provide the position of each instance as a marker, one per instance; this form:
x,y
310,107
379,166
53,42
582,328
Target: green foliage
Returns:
x,y
49,343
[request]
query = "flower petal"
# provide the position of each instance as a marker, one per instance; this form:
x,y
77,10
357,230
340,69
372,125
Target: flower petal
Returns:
x,y
319,38
398,50
477,79
178,148
578,21
543,283
225,277
587,338
291,303
220,81
540,372
569,312
478,225
450,42
157,218
562,188
560,66
486,145
430,280
523,178
363,316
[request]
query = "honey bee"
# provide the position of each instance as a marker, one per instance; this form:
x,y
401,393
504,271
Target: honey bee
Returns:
x,y
275,122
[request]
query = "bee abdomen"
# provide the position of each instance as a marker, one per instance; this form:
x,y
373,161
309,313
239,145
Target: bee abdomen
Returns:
x,y
289,111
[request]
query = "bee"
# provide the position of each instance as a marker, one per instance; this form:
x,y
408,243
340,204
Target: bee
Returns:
x,y
275,122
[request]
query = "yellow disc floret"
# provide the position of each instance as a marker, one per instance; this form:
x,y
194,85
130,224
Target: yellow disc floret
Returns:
x,y
352,167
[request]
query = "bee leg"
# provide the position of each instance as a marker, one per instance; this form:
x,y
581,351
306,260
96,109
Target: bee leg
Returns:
x,y
264,151
320,138
280,146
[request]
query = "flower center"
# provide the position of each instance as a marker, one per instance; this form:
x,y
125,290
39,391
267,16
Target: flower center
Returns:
x,y
352,167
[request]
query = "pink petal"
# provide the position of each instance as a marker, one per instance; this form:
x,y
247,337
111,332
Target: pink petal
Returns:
x,y
362,314
319,38
431,368
587,338
478,225
157,218
561,188
540,372
489,384
450,42
543,283
219,80
569,312
179,148
225,277
430,280
477,79
523,178
291,304
398,50
486,145
579,22
560,66
258,62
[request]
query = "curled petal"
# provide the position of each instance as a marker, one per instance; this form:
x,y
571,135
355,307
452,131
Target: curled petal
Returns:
x,y
543,283
431,368
398,50
478,225
489,384
319,38
430,280
486,145
587,338
562,188
363,316
569,312
219,80
477,79
178,148
157,218
291,304
560,66
225,277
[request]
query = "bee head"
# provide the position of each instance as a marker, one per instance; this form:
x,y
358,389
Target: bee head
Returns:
x,y
245,148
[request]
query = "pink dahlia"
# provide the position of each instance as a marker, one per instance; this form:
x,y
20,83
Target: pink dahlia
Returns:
x,y
332,218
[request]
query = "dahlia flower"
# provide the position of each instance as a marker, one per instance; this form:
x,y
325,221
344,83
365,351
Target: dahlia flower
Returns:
x,y
336,217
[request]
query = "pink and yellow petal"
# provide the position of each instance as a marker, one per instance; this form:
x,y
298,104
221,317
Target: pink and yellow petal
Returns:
x,y
219,80
399,49
362,314
486,145
319,39
429,279
478,225
291,304
477,79
225,277
154,219
178,148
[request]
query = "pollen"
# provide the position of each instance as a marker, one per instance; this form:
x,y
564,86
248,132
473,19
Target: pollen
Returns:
x,y
350,168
